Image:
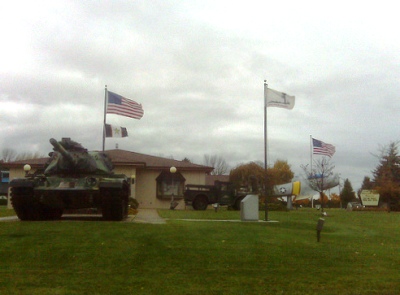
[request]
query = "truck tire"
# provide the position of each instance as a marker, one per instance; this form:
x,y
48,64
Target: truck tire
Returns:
x,y
236,206
200,203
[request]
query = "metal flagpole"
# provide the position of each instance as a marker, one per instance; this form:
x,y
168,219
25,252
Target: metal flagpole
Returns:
x,y
311,153
104,122
265,148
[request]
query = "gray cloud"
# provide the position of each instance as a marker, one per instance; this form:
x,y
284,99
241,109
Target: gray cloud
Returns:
x,y
198,70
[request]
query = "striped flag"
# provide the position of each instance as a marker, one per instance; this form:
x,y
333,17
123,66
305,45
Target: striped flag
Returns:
x,y
124,107
115,131
322,148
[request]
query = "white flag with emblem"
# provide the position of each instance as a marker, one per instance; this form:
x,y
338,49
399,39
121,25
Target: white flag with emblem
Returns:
x,y
278,99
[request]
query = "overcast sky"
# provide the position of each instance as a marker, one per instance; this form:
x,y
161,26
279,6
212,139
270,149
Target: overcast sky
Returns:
x,y
198,69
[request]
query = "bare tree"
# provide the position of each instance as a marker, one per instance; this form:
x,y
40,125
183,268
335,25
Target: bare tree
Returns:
x,y
218,162
8,155
28,156
320,177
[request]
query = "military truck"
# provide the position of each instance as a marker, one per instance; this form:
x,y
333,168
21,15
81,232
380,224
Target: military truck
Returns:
x,y
224,193
73,178
221,193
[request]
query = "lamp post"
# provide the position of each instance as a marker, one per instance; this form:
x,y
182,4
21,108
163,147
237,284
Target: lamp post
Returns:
x,y
27,168
172,170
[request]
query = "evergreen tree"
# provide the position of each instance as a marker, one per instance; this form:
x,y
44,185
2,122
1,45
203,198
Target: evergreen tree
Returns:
x,y
367,184
347,194
387,175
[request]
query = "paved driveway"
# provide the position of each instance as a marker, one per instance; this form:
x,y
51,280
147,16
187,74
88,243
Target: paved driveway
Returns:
x,y
148,216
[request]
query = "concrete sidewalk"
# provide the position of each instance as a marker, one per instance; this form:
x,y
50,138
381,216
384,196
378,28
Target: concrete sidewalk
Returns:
x,y
143,216
9,218
148,216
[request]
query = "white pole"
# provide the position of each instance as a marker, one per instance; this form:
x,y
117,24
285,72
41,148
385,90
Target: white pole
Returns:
x,y
265,147
311,159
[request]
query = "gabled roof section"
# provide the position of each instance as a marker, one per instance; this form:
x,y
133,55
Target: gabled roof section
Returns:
x,y
122,157
211,179
35,163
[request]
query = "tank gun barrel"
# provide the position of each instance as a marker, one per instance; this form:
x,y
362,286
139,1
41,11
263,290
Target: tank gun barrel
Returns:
x,y
58,147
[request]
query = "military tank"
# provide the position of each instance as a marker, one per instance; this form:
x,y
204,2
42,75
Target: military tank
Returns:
x,y
73,178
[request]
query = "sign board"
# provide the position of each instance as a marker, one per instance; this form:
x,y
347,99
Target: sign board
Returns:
x,y
369,198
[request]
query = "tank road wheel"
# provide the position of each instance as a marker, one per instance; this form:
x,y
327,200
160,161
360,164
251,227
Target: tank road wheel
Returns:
x,y
200,203
24,204
115,205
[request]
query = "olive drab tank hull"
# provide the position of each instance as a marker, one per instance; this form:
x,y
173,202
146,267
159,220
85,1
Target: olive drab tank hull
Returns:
x,y
73,178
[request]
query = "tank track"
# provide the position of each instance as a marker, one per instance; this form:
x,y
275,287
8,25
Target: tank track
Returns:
x,y
114,204
28,209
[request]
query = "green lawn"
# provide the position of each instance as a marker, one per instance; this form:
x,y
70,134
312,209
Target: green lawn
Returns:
x,y
4,211
358,254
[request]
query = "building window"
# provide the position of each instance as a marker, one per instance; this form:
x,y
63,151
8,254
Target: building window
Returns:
x,y
169,184
5,176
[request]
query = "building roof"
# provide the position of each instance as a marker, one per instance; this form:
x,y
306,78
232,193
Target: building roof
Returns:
x,y
122,157
211,179
38,162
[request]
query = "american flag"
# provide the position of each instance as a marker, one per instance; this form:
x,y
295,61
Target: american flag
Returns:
x,y
322,148
122,106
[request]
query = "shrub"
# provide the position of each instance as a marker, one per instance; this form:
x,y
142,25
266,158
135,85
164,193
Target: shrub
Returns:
x,y
133,203
3,201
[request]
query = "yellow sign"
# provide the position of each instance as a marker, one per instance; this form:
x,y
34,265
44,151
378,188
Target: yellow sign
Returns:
x,y
296,188
369,198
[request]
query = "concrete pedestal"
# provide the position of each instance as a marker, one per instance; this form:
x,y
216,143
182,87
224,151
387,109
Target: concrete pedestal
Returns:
x,y
249,208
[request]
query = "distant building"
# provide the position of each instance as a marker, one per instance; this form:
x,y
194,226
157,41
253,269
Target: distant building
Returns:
x,y
211,179
4,180
153,184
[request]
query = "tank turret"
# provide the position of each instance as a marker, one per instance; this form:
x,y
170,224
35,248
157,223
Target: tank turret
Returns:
x,y
71,157
59,148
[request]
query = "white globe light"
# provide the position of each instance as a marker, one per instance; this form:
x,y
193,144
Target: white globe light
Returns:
x,y
172,169
27,168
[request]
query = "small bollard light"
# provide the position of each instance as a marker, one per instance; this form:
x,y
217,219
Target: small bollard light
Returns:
x,y
320,225
216,205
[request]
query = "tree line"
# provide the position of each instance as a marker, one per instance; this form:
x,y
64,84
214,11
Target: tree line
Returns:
x,y
11,155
